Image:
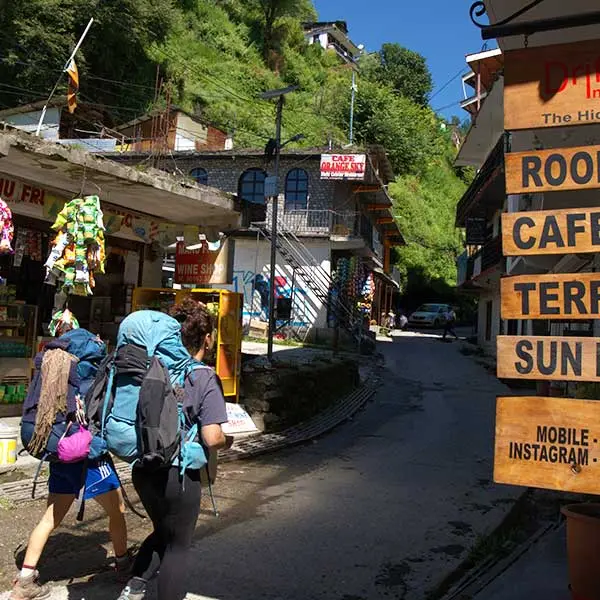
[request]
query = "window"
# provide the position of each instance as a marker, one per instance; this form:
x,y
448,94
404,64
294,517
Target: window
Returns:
x,y
199,175
296,190
252,186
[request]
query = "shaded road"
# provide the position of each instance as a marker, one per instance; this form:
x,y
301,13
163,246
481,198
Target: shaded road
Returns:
x,y
384,507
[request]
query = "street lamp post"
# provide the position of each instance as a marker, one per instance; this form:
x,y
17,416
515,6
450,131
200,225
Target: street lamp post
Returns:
x,y
280,95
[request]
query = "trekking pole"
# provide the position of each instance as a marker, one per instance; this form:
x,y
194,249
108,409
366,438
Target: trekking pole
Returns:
x,y
210,492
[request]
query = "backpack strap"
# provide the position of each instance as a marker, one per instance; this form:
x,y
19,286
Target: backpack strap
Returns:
x,y
81,496
109,460
37,474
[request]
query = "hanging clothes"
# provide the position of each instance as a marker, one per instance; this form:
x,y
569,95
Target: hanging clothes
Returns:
x,y
78,250
7,229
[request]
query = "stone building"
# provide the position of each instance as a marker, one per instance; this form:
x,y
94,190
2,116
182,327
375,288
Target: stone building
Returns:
x,y
322,221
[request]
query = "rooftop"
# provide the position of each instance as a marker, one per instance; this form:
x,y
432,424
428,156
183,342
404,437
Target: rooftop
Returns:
x,y
78,172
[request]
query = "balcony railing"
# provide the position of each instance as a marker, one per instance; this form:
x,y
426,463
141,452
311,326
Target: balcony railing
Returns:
x,y
491,254
320,222
488,256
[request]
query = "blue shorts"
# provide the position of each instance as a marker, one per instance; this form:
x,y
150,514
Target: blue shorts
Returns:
x,y
66,478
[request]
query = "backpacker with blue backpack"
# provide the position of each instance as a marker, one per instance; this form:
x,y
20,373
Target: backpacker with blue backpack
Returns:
x,y
135,398
45,423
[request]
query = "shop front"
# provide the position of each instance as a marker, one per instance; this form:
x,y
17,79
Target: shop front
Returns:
x,y
38,276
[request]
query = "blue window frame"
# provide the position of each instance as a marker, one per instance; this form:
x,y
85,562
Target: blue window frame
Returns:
x,y
296,190
252,186
199,175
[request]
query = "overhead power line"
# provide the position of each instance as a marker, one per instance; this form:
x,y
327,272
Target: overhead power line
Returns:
x,y
440,90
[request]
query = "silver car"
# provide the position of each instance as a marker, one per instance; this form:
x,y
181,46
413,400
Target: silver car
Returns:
x,y
429,315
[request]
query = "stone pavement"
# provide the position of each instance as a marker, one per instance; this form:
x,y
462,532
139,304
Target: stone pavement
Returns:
x,y
540,573
386,506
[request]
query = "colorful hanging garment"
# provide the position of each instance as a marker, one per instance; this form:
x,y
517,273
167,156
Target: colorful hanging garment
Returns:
x,y
78,250
7,229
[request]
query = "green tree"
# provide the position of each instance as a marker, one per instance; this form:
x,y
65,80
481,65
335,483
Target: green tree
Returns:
x,y
40,34
405,71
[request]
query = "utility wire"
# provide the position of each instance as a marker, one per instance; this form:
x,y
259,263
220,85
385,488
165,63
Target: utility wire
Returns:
x,y
440,90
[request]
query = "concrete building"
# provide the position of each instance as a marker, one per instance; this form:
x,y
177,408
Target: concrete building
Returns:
x,y
332,35
323,221
93,128
173,129
482,265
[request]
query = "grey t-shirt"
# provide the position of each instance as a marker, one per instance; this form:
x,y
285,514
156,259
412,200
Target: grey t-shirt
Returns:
x,y
204,402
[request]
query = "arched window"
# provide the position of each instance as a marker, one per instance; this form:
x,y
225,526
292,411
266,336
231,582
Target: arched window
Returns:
x,y
296,190
252,186
199,175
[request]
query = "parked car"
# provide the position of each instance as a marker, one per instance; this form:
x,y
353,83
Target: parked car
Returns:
x,y
429,315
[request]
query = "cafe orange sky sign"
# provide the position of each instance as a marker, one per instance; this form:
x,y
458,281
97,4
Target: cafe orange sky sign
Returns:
x,y
552,86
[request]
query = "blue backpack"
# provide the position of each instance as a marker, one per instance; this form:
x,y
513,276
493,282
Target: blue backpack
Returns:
x,y
90,351
135,398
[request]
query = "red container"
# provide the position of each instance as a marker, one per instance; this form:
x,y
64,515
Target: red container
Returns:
x,y
583,549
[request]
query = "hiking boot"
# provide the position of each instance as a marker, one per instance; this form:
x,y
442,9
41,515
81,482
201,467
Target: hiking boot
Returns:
x,y
123,568
134,590
28,588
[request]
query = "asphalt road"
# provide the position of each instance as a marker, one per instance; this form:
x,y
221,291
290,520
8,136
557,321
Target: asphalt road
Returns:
x,y
386,506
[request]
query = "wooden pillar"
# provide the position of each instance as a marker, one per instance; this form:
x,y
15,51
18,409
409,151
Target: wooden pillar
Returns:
x,y
377,312
386,255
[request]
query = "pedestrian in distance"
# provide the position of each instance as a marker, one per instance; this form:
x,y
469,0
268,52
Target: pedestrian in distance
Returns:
x,y
172,500
65,369
450,317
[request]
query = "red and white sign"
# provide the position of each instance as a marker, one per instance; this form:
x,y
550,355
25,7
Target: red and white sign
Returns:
x,y
343,166
200,266
238,421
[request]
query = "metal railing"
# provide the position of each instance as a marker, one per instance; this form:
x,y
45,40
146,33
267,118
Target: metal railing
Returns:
x,y
311,271
319,222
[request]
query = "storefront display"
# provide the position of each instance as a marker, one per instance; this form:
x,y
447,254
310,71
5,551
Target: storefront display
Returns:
x,y
355,283
226,306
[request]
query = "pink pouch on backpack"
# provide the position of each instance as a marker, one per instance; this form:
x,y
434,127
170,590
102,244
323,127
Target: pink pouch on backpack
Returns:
x,y
76,447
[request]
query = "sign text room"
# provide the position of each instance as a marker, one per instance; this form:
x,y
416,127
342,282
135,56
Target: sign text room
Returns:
x,y
553,170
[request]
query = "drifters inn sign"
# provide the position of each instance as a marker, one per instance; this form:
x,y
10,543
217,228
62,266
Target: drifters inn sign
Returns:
x,y
552,86
343,166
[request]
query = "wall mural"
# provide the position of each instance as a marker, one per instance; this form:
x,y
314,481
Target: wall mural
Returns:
x,y
255,288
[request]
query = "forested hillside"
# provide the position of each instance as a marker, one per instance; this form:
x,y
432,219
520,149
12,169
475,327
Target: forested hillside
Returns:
x,y
214,57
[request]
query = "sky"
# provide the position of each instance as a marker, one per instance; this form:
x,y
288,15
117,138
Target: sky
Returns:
x,y
440,30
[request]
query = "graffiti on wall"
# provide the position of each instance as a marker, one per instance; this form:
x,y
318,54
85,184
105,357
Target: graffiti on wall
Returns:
x,y
255,288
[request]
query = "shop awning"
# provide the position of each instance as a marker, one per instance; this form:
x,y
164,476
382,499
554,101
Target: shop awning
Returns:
x,y
379,272
72,171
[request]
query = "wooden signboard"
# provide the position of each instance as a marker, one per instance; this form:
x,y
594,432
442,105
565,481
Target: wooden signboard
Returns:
x,y
549,358
553,170
549,443
564,231
565,296
552,86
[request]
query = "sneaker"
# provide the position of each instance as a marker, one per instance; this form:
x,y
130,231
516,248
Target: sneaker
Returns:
x,y
134,590
29,588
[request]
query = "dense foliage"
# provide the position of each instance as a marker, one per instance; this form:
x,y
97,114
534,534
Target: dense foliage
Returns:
x,y
215,57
